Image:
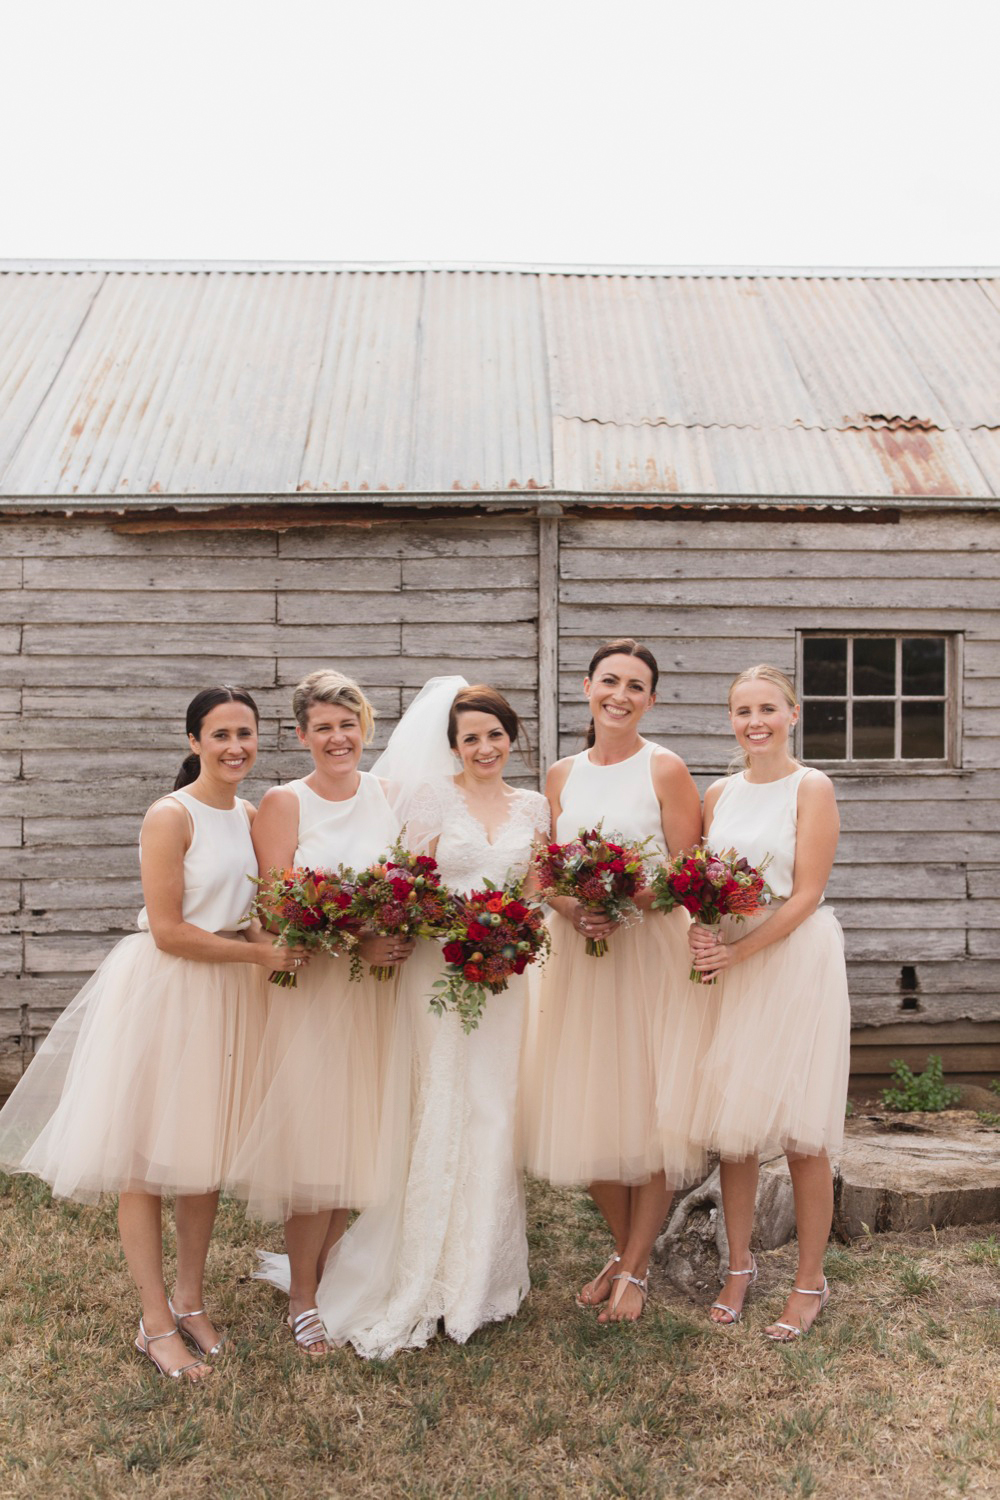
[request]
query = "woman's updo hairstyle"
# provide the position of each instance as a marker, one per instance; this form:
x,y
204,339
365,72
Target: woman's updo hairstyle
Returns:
x,y
484,700
198,710
762,673
625,646
328,686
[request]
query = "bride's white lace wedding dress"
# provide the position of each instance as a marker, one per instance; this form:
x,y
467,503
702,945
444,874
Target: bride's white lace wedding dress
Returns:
x,y
449,1243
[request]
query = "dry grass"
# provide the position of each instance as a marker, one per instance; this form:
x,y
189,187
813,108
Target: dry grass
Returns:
x,y
894,1395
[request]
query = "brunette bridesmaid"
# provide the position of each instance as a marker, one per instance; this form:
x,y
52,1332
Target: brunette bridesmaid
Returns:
x,y
308,1154
138,1088
599,1023
776,1074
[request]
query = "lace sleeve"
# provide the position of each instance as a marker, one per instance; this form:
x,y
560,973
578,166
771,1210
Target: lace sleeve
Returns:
x,y
539,813
421,812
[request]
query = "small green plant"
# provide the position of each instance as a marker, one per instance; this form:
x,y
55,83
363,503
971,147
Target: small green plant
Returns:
x,y
924,1091
994,1085
987,1117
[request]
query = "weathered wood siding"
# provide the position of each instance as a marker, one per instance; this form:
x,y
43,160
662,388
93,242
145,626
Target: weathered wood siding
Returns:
x,y
105,634
915,883
108,627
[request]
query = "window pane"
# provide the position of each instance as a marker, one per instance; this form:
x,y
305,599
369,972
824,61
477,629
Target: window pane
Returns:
x,y
824,731
923,666
874,667
923,731
824,664
873,731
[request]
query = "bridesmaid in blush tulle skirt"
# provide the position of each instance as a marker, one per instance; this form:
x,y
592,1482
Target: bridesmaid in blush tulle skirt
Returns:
x,y
308,1153
776,1074
600,1025
139,1086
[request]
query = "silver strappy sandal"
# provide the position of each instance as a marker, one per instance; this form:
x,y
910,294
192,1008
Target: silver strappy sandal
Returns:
x,y
734,1316
642,1282
181,1318
151,1338
795,1331
578,1299
307,1329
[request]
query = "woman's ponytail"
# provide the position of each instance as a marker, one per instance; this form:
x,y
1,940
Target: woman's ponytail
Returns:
x,y
190,771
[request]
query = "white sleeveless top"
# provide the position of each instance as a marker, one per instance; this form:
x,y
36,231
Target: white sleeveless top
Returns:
x,y
758,819
622,795
353,832
217,866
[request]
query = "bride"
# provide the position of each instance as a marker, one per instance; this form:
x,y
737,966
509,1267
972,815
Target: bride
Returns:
x,y
449,1242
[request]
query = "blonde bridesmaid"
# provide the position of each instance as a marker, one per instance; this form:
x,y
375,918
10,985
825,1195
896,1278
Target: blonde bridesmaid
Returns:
x,y
776,1075
309,1150
599,1023
138,1088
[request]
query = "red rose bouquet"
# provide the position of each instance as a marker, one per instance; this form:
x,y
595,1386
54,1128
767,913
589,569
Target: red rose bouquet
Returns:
x,y
711,886
599,870
492,935
308,909
401,895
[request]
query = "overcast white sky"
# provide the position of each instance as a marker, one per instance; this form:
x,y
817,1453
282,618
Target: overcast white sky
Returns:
x,y
715,132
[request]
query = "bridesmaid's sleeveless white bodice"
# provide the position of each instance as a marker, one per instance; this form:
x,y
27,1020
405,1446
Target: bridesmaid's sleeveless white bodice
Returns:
x,y
622,795
218,867
761,818
353,832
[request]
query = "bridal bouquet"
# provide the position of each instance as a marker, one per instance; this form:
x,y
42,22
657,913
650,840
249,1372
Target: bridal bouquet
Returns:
x,y
309,909
599,870
492,935
711,886
401,895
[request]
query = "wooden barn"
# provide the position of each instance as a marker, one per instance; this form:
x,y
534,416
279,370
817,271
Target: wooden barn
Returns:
x,y
244,472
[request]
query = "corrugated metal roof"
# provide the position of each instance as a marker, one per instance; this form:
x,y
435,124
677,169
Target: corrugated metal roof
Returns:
x,y
179,382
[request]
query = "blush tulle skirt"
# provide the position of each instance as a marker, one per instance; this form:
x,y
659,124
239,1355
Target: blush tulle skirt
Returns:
x,y
141,1083
775,1076
613,1047
310,1135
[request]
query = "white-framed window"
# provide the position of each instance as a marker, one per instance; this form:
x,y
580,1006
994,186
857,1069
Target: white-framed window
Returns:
x,y
879,700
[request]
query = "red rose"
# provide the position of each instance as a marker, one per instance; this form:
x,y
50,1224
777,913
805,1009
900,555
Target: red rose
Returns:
x,y
680,882
477,933
618,865
473,972
310,918
519,965
453,953
425,862
516,912
400,889
692,904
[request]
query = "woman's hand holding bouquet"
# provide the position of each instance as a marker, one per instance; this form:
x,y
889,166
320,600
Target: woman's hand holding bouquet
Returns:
x,y
601,871
710,886
399,897
309,910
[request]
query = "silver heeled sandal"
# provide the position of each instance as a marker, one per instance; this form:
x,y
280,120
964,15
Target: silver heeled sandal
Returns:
x,y
734,1316
181,1318
795,1331
578,1299
151,1338
307,1329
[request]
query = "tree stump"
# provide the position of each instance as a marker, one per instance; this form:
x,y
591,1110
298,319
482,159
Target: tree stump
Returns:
x,y
693,1249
